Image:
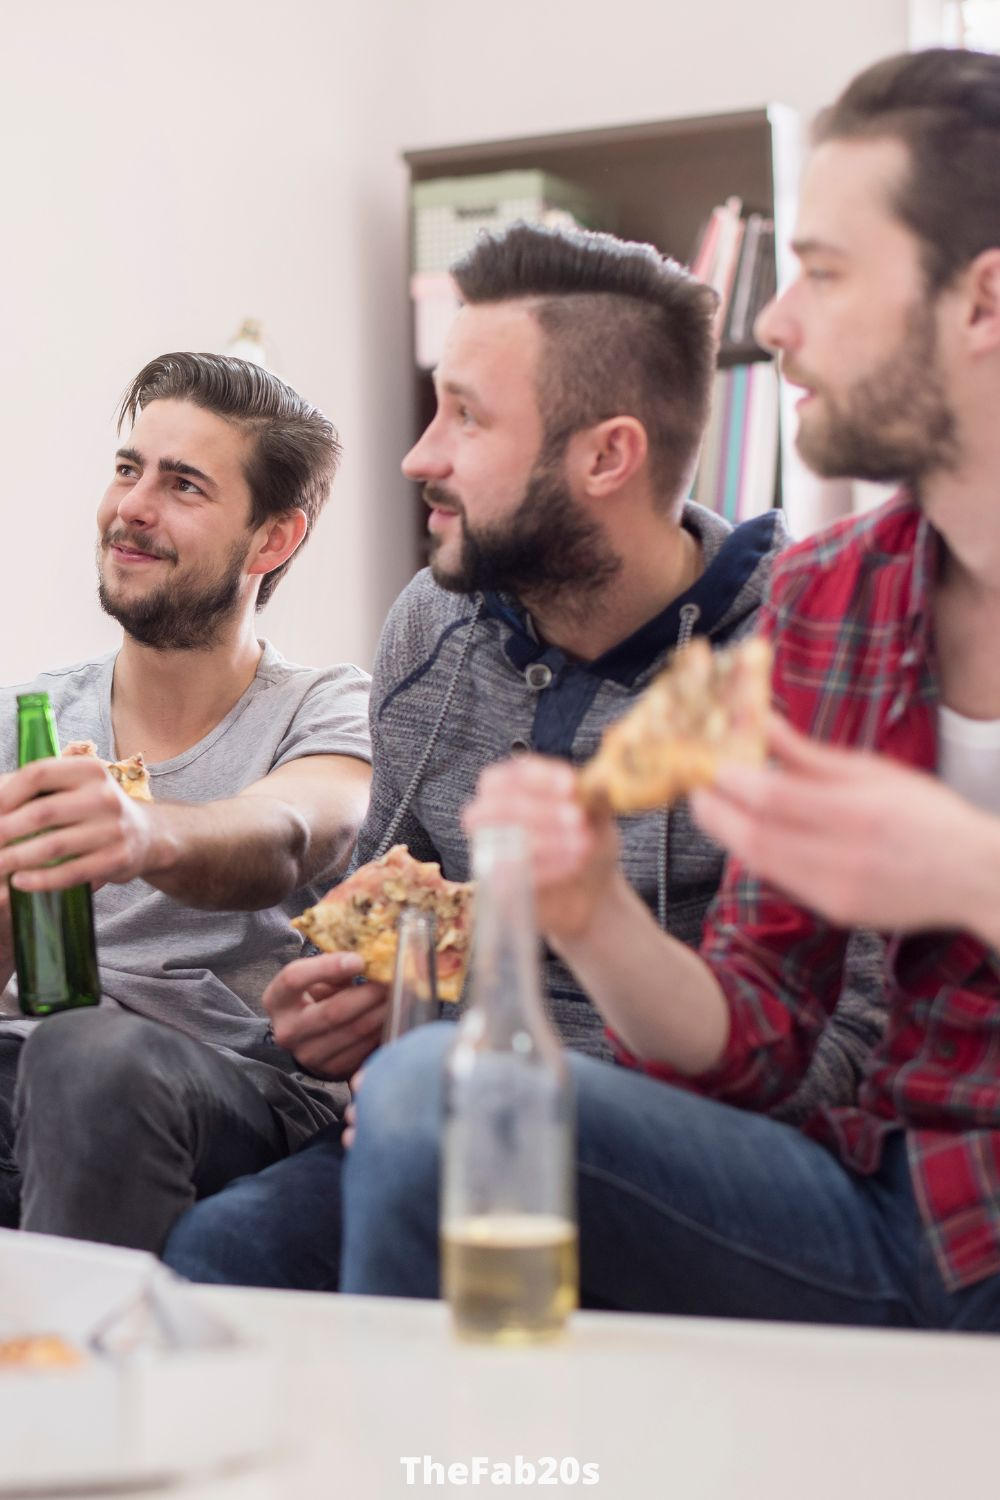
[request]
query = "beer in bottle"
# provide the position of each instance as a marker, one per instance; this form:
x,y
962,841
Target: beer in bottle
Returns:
x,y
508,1218
54,951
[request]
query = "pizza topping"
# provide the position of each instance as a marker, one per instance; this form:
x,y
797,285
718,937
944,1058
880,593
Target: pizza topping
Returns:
x,y
362,913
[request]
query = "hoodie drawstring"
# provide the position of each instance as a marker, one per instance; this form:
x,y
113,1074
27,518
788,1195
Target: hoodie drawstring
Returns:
x,y
429,748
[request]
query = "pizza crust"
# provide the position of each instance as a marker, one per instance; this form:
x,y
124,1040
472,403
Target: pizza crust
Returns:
x,y
704,708
362,913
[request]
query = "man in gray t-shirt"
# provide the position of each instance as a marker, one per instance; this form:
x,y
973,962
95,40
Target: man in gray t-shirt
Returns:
x,y
114,1120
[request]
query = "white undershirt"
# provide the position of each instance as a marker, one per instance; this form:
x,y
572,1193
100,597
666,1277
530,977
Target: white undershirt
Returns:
x,y
969,757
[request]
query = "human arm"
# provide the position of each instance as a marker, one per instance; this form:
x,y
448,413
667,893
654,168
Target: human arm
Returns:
x,y
6,937
655,993
244,852
859,838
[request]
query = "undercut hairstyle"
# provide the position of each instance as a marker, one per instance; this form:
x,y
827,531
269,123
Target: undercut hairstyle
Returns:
x,y
944,106
627,332
295,449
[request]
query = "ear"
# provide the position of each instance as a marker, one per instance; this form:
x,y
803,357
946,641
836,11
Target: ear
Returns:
x,y
607,456
279,538
983,302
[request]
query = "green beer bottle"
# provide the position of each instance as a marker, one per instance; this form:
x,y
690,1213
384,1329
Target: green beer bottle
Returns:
x,y
54,950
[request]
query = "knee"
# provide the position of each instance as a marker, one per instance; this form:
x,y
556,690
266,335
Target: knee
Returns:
x,y
399,1108
98,1055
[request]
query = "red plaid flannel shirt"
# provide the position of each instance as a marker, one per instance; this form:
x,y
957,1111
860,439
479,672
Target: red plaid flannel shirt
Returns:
x,y
849,616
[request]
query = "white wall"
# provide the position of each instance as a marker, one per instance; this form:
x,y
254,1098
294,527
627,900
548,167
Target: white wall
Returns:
x,y
171,169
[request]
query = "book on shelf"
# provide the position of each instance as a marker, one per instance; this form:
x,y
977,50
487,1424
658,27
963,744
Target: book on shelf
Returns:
x,y
738,467
735,255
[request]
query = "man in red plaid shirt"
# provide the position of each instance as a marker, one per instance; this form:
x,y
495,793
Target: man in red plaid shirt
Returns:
x,y
881,808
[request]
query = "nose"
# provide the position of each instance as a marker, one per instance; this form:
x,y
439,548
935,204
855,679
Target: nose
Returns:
x,y
776,327
427,459
137,505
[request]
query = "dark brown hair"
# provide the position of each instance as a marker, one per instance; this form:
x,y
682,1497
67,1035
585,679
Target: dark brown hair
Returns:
x,y
944,106
627,333
295,452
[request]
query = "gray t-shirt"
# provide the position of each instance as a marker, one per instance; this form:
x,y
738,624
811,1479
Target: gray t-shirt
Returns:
x,y
203,972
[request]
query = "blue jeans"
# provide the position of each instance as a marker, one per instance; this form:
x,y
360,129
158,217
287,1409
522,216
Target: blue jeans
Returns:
x,y
686,1205
276,1228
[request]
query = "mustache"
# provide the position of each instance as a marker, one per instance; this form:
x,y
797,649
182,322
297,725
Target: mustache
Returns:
x,y
136,542
437,495
796,376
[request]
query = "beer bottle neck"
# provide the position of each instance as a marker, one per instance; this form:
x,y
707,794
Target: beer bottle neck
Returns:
x,y
506,996
36,728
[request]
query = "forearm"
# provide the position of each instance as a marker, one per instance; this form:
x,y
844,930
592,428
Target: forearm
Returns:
x,y
242,854
655,993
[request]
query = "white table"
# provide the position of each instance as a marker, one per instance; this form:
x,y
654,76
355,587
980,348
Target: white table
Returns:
x,y
677,1409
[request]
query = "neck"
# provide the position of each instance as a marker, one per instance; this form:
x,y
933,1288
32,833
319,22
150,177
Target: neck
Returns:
x,y
163,701
659,565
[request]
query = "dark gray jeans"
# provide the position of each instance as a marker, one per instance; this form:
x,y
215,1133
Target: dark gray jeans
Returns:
x,y
111,1126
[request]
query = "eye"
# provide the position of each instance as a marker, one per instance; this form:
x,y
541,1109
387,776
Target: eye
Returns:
x,y
818,273
187,486
124,471
465,416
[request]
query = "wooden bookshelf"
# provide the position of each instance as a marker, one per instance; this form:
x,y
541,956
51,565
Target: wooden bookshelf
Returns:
x,y
662,179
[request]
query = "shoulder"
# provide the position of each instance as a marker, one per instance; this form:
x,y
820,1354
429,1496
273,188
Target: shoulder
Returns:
x,y
292,677
418,628
820,573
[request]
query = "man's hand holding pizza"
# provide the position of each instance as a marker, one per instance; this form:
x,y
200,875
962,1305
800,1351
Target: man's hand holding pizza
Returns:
x,y
572,848
858,838
329,1023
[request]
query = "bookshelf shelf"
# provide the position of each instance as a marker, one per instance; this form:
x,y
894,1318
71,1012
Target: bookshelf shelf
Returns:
x,y
662,179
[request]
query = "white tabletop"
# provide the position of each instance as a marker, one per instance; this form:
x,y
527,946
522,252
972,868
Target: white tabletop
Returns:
x,y
688,1409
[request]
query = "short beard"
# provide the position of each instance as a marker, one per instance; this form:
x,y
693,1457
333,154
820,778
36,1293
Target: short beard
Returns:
x,y
548,547
895,425
184,616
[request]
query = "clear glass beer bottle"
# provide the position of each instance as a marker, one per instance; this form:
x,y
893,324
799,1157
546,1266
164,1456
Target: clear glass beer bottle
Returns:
x,y
508,1218
53,931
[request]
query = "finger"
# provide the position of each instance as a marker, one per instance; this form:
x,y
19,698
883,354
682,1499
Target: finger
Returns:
x,y
341,1061
347,1138
93,870
288,988
59,810
53,774
803,864
533,773
354,1084
334,1023
70,843
797,751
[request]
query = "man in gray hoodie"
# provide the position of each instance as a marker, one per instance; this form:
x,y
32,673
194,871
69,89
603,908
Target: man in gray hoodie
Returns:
x,y
565,567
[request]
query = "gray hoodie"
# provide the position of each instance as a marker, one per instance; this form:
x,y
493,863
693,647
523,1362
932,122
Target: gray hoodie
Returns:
x,y
460,682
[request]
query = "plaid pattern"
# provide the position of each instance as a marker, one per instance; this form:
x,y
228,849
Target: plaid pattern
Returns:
x,y
849,615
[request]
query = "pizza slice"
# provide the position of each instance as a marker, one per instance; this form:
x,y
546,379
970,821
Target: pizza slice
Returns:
x,y
131,775
704,708
361,915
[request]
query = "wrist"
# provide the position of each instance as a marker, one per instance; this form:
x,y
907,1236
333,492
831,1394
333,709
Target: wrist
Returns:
x,y
588,938
162,844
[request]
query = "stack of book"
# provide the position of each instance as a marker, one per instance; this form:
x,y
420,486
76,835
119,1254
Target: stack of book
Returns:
x,y
735,255
738,469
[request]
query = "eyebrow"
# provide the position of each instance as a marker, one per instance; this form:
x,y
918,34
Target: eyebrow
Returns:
x,y
168,466
817,247
456,388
